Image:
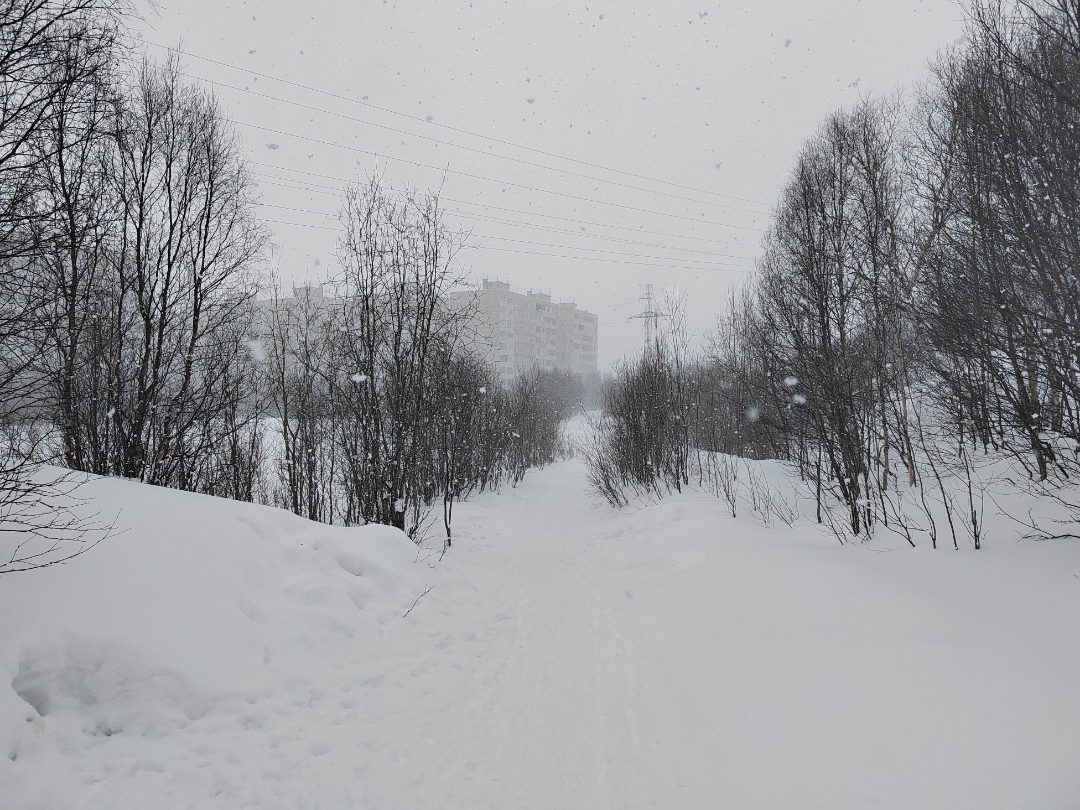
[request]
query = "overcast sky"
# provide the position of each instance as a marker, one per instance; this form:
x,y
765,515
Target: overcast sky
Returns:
x,y
590,148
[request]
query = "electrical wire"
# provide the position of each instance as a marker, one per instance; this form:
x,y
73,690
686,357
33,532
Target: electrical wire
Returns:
x,y
722,267
507,184
458,130
341,192
293,184
465,148
588,235
545,244
612,252
563,231
300,225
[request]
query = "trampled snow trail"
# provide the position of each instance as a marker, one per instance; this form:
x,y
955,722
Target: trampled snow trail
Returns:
x,y
568,655
554,723
668,656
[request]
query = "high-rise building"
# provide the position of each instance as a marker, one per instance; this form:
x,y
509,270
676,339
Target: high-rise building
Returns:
x,y
520,330
515,331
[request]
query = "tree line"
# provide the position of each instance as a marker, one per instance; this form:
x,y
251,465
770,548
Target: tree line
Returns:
x,y
916,303
384,405
133,342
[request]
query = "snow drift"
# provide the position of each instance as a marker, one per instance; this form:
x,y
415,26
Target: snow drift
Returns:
x,y
564,654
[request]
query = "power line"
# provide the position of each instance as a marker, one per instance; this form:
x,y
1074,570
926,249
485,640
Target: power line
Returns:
x,y
299,225
466,148
340,189
497,221
340,192
612,252
297,210
313,190
526,242
449,127
594,224
494,180
722,267
718,266
588,235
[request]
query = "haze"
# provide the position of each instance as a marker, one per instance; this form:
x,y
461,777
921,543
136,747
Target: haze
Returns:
x,y
711,96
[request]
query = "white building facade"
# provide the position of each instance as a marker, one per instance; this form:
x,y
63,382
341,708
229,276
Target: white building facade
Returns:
x,y
514,331
522,330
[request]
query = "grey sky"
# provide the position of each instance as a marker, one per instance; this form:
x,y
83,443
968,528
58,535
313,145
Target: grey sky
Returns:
x,y
715,96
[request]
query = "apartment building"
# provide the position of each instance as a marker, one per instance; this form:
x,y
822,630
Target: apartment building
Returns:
x,y
514,330
519,330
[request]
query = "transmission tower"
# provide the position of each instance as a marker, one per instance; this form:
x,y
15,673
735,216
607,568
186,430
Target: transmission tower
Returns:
x,y
651,315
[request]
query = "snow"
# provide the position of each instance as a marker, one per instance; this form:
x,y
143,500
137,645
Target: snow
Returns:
x,y
562,654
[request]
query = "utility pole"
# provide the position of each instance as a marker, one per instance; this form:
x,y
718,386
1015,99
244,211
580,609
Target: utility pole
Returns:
x,y
651,315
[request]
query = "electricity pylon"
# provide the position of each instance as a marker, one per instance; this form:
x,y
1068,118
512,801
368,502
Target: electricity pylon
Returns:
x,y
651,315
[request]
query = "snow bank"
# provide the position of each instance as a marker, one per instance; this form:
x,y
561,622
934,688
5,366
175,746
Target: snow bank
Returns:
x,y
203,618
222,655
810,674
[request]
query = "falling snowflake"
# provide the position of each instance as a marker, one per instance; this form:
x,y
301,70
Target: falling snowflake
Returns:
x,y
256,350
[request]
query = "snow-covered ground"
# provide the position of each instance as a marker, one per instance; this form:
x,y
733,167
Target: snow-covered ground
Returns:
x,y
567,656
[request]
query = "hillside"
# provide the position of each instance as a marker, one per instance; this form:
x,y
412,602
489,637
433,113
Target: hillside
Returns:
x,y
219,654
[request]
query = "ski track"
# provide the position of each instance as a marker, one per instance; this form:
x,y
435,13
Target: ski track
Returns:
x,y
572,656
557,689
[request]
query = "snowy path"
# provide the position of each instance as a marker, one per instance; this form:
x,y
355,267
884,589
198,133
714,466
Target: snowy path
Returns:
x,y
553,719
568,656
675,658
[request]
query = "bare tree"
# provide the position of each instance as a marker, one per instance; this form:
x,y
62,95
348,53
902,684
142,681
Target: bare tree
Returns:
x,y
77,219
36,35
52,52
299,344
1002,317
399,264
644,444
157,286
